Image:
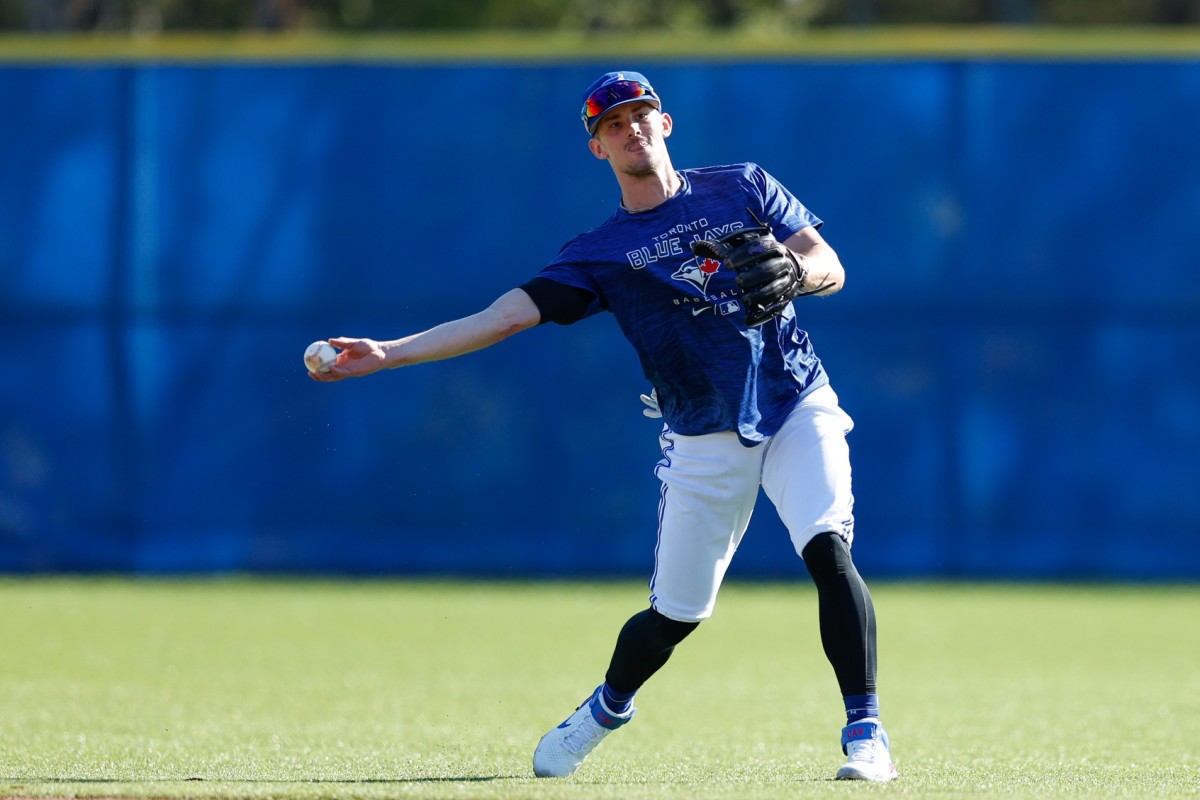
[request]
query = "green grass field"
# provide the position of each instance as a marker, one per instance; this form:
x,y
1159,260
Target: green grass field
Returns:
x,y
323,689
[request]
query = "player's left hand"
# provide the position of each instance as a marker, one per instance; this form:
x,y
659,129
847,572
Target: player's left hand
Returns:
x,y
768,273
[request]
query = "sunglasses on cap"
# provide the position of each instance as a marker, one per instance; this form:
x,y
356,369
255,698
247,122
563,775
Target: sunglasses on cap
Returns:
x,y
611,96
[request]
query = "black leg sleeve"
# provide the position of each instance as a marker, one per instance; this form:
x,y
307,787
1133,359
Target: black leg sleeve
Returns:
x,y
846,612
643,646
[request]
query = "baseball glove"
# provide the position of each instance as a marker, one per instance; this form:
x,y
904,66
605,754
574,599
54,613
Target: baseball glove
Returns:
x,y
768,273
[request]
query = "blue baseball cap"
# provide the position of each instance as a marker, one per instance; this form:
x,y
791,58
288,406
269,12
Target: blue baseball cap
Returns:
x,y
614,89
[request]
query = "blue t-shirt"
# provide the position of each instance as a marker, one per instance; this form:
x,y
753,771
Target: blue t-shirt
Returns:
x,y
684,315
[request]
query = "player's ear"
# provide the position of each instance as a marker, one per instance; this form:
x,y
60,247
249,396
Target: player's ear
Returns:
x,y
668,124
597,149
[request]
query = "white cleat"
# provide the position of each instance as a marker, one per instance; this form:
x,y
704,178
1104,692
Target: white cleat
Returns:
x,y
869,759
563,750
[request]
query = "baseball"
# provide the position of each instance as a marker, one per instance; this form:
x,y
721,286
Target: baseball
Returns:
x,y
319,357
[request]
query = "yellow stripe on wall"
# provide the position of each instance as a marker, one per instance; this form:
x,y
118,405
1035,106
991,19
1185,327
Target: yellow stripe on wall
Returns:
x,y
890,42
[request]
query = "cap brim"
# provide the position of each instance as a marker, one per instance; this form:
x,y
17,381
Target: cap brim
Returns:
x,y
591,128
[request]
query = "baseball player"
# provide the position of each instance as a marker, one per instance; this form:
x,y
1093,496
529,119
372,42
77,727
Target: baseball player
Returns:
x,y
699,267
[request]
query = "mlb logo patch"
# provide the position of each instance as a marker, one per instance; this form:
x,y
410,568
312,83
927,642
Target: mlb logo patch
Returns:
x,y
729,307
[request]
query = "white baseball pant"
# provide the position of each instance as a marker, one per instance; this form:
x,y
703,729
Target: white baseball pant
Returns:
x,y
709,487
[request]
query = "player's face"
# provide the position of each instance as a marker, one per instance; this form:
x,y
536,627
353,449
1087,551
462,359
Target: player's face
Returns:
x,y
632,138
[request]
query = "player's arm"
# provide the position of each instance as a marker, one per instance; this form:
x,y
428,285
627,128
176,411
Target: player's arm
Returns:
x,y
824,268
512,313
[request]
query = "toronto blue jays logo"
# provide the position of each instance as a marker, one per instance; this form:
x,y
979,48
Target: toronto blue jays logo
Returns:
x,y
697,272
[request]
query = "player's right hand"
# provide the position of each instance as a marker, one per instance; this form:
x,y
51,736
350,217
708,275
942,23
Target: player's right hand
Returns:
x,y
356,358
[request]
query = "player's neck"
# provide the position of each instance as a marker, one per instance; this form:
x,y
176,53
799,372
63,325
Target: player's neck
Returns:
x,y
644,193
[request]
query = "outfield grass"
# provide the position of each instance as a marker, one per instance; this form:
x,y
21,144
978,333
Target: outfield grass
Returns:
x,y
318,689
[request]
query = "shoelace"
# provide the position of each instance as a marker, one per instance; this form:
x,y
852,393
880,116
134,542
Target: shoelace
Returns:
x,y
582,735
866,750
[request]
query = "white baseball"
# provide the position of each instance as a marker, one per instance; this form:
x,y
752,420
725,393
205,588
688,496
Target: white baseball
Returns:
x,y
319,357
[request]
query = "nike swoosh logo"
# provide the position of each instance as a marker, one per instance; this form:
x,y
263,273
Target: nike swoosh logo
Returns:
x,y
565,723
698,311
